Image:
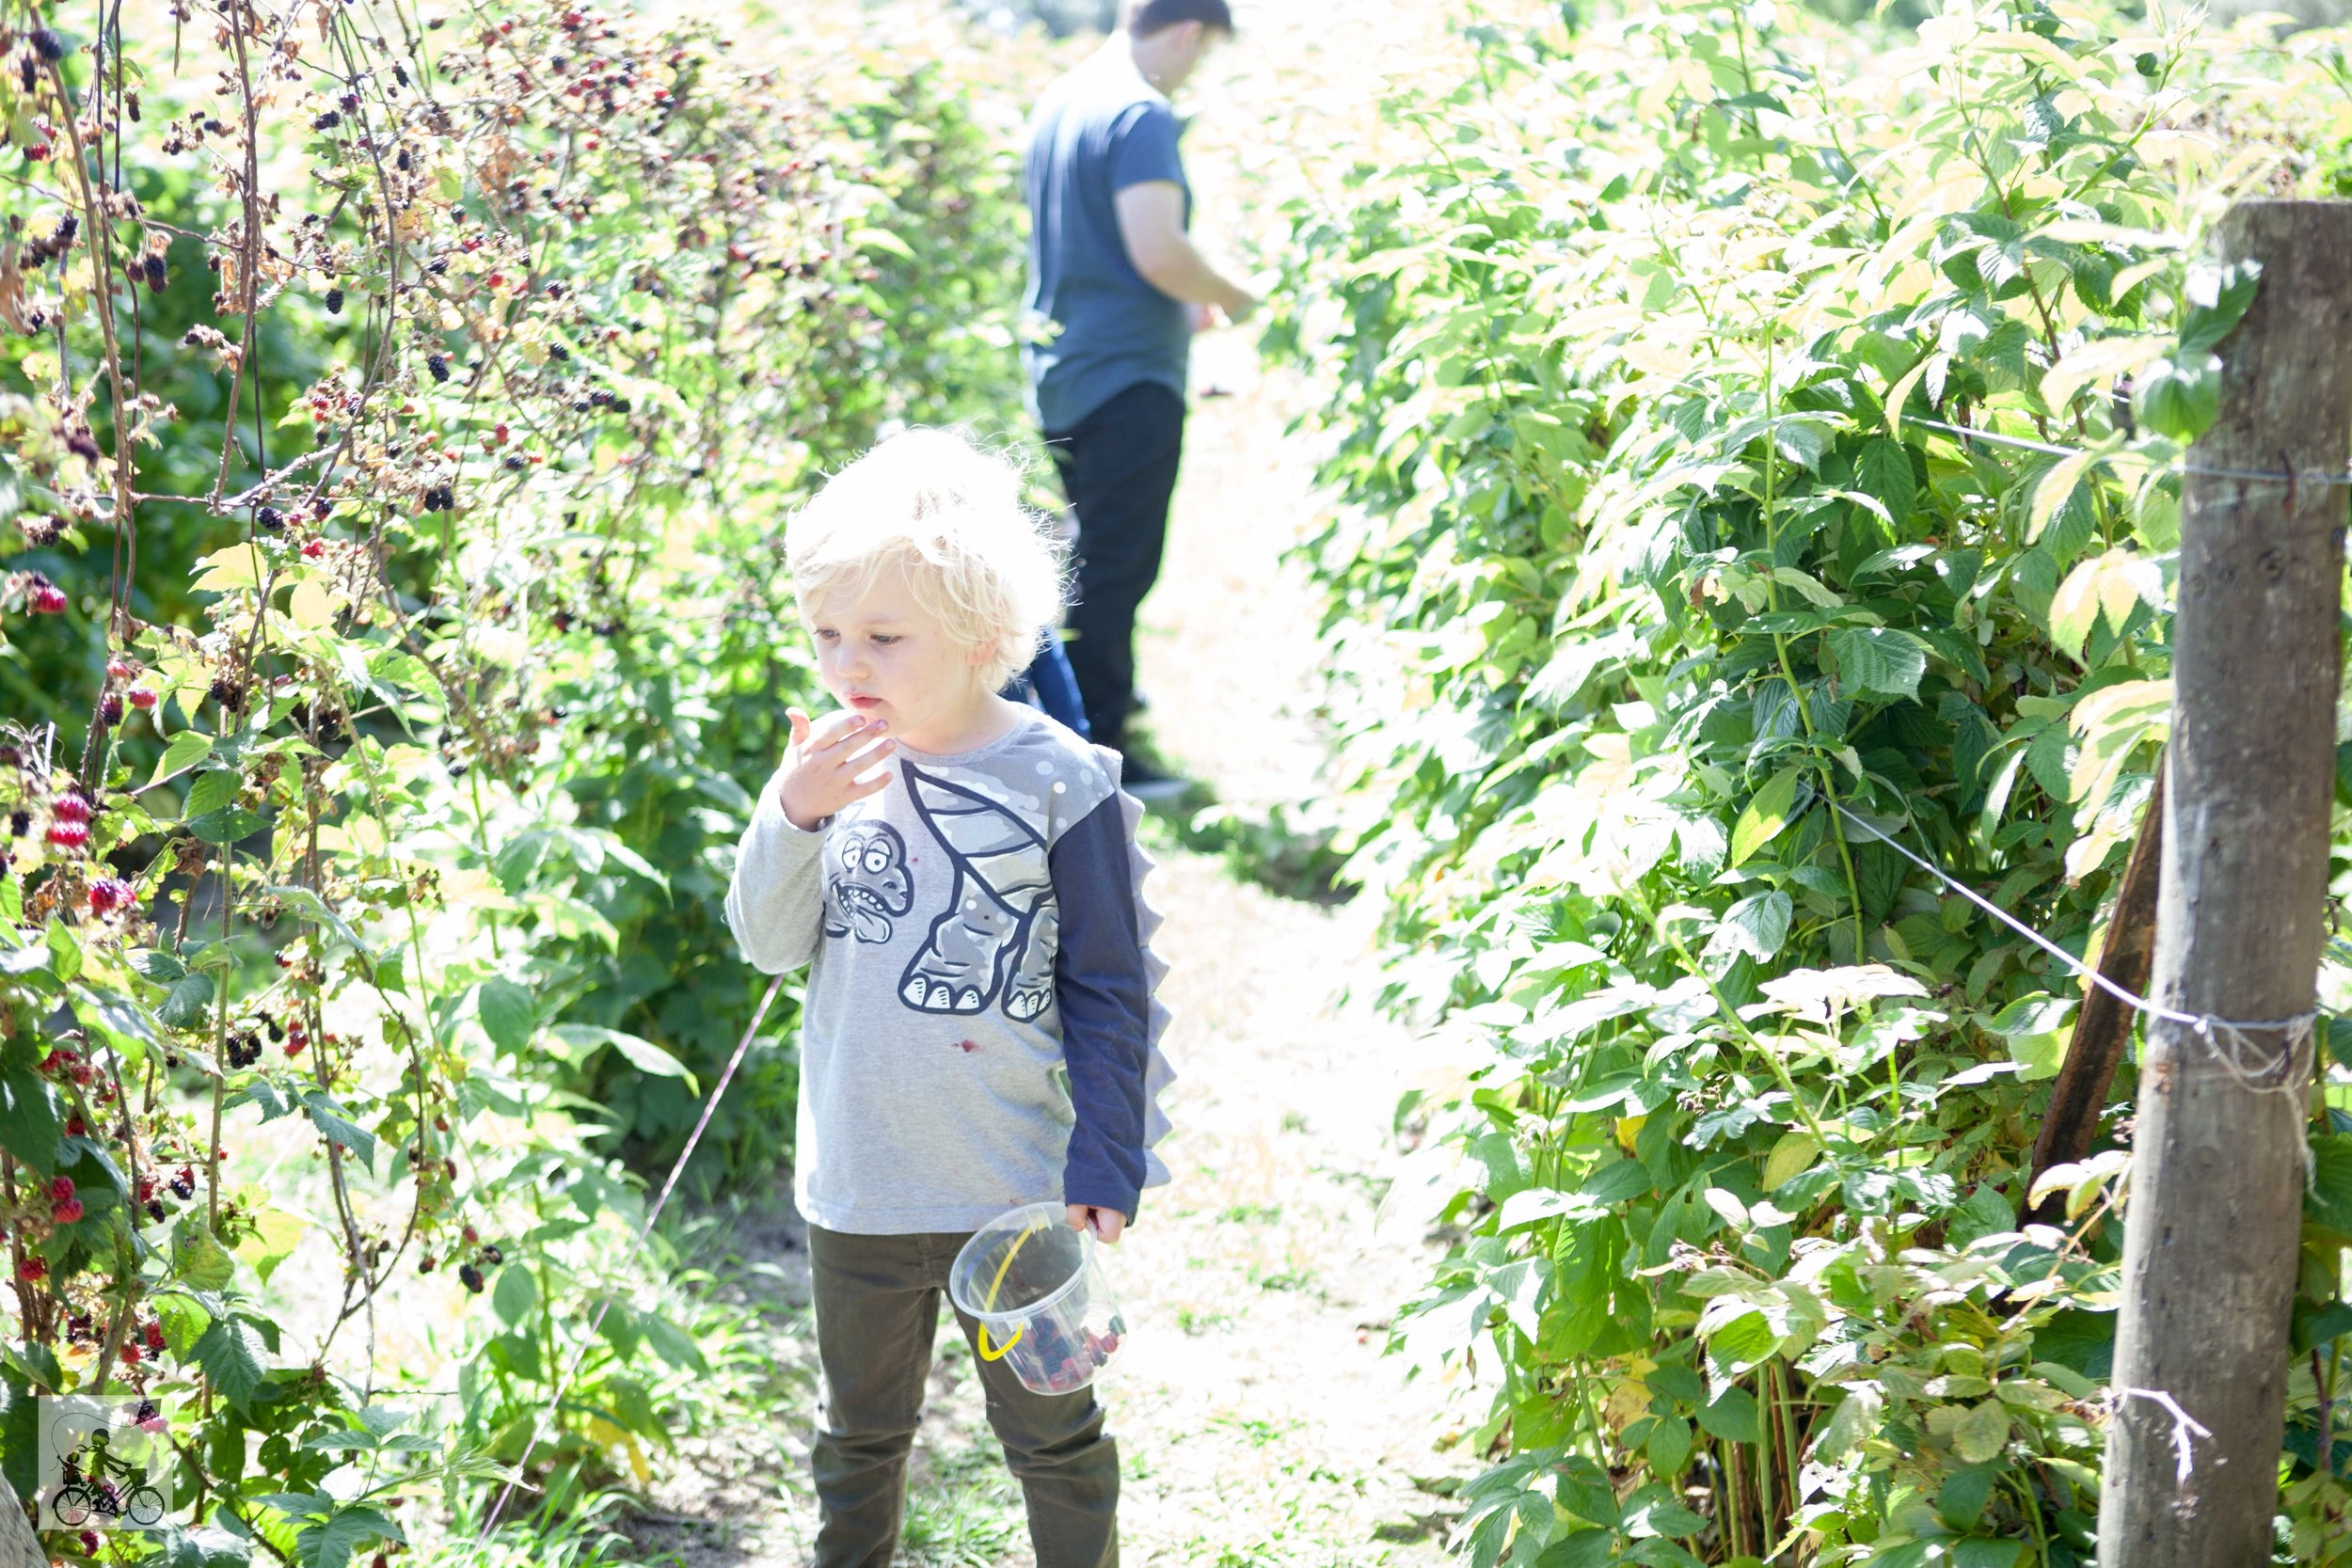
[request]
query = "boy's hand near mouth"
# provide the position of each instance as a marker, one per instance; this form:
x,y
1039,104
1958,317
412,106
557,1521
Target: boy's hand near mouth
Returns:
x,y
826,763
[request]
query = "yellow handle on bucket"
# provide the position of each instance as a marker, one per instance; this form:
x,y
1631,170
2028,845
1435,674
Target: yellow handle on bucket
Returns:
x,y
997,1284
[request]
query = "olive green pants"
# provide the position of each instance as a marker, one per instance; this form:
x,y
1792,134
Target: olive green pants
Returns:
x,y
877,1301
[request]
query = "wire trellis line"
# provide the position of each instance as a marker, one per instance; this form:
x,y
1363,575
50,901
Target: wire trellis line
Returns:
x,y
2260,1073
539,1427
2323,477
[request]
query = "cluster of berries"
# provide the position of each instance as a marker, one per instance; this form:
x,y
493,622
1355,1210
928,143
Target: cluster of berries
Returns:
x,y
64,1207
244,1048
1071,1366
43,597
64,1059
144,698
59,240
69,820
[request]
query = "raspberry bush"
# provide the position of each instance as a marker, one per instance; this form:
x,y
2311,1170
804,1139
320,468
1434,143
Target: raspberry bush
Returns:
x,y
399,414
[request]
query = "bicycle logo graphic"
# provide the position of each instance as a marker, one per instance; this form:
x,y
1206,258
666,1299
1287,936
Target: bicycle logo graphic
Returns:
x,y
94,1482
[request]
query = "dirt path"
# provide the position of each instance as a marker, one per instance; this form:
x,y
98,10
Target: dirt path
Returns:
x,y
1260,1423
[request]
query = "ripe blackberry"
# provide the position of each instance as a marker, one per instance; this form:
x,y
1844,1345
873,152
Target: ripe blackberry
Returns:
x,y
269,519
471,1277
183,1183
28,71
229,691
327,121
514,461
334,302
439,265
433,362
558,353
492,1256
48,45
156,1209
20,822
110,707
440,499
158,274
399,160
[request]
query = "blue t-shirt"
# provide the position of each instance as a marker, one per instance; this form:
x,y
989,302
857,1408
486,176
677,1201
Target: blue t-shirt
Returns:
x,y
1097,131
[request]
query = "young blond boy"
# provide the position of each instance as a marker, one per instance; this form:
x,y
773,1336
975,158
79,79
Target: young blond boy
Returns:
x,y
979,1031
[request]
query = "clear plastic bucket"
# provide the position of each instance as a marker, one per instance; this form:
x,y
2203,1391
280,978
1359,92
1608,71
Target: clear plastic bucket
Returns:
x,y
1044,1307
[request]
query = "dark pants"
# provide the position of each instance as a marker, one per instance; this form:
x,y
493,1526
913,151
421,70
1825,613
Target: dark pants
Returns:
x,y
1118,467
876,1312
1048,683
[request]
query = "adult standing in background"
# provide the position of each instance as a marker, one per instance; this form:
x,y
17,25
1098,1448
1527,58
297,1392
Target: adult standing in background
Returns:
x,y
1116,291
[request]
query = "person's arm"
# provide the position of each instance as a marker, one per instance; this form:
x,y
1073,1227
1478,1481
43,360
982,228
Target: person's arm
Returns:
x,y
1103,995
775,903
1152,227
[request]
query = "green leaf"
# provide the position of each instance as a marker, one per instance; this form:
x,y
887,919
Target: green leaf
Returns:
x,y
1733,1416
1879,660
1982,1551
187,749
514,1293
329,1116
641,1053
185,1003
509,1013
2055,486
1883,470
233,1356
29,1123
1741,1344
211,791
184,1319
1855,1419
1790,1158
672,1344
198,1258
1765,814
225,827
311,907
2328,1198
1982,1433
331,1544
2179,401
1756,925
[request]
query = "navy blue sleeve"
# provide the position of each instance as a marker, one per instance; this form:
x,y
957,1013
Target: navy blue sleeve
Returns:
x,y
1143,147
1105,997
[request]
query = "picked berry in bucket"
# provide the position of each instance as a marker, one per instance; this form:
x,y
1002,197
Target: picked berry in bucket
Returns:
x,y
1045,1305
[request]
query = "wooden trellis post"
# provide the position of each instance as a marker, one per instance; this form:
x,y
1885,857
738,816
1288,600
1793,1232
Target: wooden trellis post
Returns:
x,y
2217,1182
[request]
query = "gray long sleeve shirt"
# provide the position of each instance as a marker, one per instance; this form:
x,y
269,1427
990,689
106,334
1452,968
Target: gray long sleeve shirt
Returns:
x,y
980,1030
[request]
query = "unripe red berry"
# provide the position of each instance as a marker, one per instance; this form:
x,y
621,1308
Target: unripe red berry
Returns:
x,y
61,1188
143,697
68,1212
32,1270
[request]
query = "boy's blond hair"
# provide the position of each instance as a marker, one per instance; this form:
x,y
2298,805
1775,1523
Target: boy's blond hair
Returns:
x,y
951,514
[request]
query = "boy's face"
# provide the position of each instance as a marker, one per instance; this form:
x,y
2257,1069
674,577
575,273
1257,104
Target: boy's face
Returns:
x,y
886,657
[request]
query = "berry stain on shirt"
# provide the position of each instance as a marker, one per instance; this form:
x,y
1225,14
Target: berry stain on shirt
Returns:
x,y
967,1047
